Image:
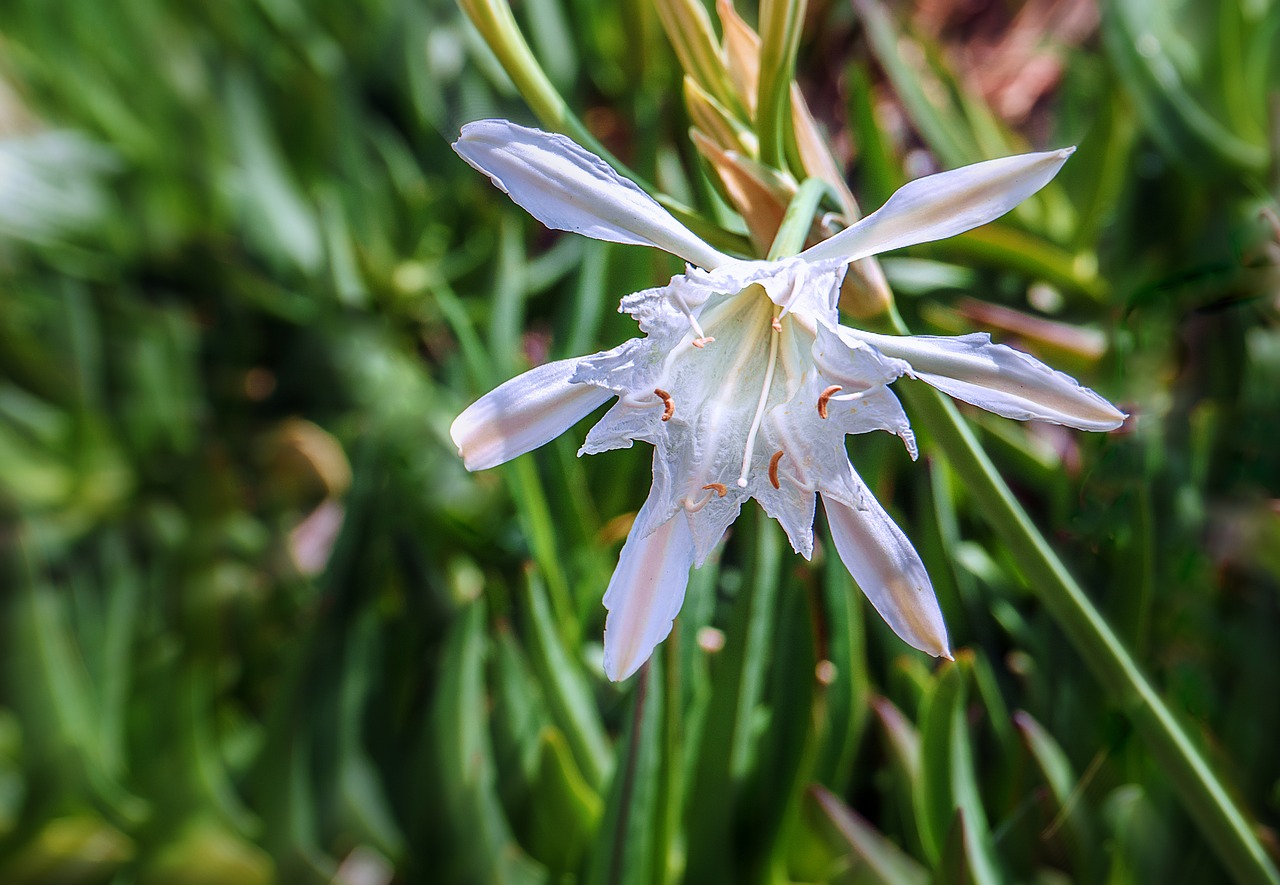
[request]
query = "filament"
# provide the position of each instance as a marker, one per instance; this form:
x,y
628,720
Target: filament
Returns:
x,y
759,416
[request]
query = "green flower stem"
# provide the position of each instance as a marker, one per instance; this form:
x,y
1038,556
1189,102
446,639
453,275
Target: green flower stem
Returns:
x,y
797,221
780,25
1202,794
497,25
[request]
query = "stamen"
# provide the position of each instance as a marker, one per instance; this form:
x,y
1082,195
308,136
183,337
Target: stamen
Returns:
x,y
764,401
825,397
695,506
701,340
797,285
793,478
773,469
776,323
669,404
718,489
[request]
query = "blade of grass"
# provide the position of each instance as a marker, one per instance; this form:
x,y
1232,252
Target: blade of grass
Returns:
x,y
1203,794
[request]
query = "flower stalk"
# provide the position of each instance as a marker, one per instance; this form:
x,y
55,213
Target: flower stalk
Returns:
x,y
798,219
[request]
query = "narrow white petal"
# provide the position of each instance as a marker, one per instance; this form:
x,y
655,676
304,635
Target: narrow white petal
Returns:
x,y
528,411
889,571
645,593
567,187
997,378
939,206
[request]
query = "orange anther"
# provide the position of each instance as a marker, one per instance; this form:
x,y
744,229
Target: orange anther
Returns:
x,y
718,487
825,397
701,342
776,323
773,469
668,404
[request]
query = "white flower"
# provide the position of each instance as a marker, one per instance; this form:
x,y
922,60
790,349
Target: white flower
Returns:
x,y
746,384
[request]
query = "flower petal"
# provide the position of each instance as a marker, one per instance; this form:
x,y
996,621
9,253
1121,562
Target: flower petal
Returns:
x,y
528,411
862,403
889,571
567,187
792,502
645,593
997,378
939,206
847,360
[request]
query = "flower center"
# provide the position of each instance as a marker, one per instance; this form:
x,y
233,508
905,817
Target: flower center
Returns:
x,y
724,390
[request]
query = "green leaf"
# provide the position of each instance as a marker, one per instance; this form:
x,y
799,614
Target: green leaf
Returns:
x,y
628,850
564,685
565,811
75,848
476,844
729,738
1137,35
279,220
948,783
902,60
519,718
878,860
780,25
847,694
788,747
1068,810
57,703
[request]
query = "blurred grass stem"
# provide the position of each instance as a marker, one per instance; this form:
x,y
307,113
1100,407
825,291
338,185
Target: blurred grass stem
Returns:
x,y
629,777
1203,795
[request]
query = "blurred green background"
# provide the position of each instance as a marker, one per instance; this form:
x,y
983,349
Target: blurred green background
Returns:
x,y
259,625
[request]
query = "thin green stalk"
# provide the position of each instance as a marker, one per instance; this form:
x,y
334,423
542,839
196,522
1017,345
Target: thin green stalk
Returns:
x,y
629,774
497,25
797,221
1202,794
671,863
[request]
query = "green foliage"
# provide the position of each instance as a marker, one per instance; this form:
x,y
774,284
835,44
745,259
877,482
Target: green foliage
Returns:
x,y
259,624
